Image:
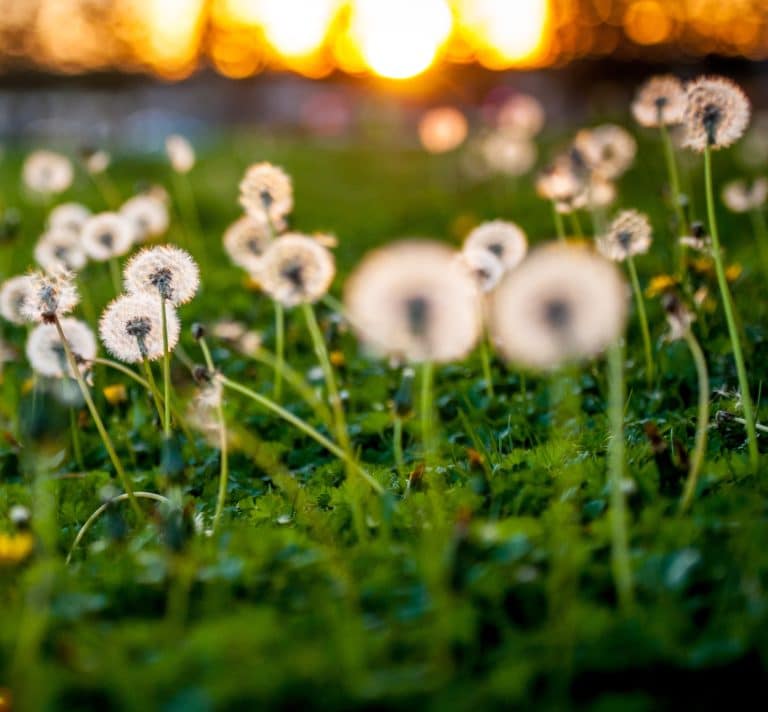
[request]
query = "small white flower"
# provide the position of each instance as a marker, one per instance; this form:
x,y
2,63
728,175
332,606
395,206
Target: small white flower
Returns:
x,y
47,172
180,153
60,249
166,271
148,215
46,353
107,235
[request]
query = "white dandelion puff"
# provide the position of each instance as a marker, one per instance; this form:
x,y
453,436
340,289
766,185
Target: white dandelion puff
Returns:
x,y
608,150
564,303
741,196
148,215
661,101
296,269
51,296
47,172
266,190
717,113
414,301
245,241
504,239
107,235
180,153
166,271
69,216
131,328
628,235
60,249
14,293
46,353
484,266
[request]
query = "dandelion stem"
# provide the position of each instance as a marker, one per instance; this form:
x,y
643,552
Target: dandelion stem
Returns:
x,y
674,186
730,316
620,563
223,445
73,366
702,422
758,426
103,508
321,352
559,226
427,411
279,350
166,372
304,427
114,274
397,444
576,222
485,358
153,388
643,316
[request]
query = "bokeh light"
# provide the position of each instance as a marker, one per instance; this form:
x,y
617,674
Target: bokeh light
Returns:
x,y
442,129
399,39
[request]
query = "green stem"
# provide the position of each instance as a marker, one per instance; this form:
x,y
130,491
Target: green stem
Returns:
x,y
223,444
730,317
279,350
702,422
427,412
153,388
97,420
622,570
674,186
321,352
485,358
103,508
397,444
304,427
577,229
166,372
643,316
559,226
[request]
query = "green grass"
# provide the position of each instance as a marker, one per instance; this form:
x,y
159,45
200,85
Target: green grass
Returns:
x,y
510,603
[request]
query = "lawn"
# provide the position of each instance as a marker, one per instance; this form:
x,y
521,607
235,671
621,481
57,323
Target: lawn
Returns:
x,y
485,582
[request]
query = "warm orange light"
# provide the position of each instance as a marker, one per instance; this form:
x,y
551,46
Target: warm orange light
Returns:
x,y
505,32
647,23
442,129
174,29
296,28
399,39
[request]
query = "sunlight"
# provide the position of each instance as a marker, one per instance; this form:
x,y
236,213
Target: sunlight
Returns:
x,y
174,34
400,38
505,32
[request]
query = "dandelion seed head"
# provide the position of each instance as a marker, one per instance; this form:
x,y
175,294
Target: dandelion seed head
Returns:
x,y
601,192
661,100
180,153
564,303
414,301
503,239
717,113
628,235
46,354
60,249
245,241
131,328
107,235
250,343
96,162
486,268
679,317
166,271
508,154
296,269
47,172
148,215
266,190
563,180
14,293
52,295
69,216
522,115
608,150
741,196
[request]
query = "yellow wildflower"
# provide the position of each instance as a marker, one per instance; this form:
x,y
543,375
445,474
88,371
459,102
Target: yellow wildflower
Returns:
x,y
14,548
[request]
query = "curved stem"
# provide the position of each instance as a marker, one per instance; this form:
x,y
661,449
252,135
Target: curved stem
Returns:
x,y
485,359
620,563
559,226
702,422
166,372
73,366
304,427
103,508
427,412
643,316
153,388
223,444
279,350
730,316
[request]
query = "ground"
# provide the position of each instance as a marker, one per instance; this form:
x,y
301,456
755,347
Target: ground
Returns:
x,y
504,599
